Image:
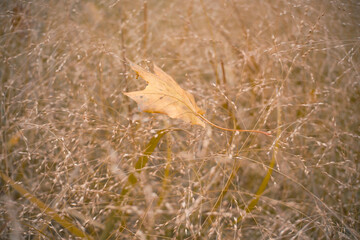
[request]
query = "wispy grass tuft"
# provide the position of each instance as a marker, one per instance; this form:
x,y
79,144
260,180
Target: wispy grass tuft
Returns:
x,y
107,171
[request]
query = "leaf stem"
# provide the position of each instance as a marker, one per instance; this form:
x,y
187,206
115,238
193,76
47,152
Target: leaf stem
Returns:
x,y
232,130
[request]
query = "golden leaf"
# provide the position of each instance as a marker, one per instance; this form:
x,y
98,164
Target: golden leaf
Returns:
x,y
164,95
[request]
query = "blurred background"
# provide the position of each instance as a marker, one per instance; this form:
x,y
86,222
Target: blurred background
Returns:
x,y
74,141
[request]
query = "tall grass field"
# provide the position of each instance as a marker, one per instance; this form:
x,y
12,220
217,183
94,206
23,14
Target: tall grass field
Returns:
x,y
80,160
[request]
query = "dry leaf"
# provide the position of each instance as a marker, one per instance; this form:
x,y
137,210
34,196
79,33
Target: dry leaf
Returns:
x,y
164,95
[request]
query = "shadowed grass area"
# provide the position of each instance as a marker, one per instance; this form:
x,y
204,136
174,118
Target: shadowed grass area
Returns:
x,y
97,167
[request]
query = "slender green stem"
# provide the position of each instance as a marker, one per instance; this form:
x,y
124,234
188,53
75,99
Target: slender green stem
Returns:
x,y
67,224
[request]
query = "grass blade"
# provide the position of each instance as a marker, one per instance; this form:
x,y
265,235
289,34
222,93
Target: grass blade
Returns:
x,y
132,180
45,208
267,177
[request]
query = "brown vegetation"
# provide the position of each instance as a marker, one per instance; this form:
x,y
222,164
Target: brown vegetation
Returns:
x,y
79,160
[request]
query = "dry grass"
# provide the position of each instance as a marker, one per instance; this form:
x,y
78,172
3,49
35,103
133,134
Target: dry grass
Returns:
x,y
78,145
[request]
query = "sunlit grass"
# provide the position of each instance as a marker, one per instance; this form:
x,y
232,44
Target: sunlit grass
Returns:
x,y
78,158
